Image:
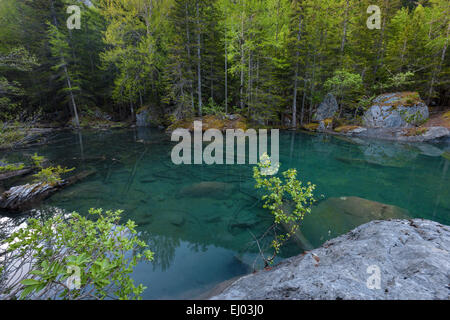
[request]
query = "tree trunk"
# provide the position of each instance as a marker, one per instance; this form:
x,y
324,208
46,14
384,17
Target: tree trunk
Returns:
x,y
72,98
66,73
212,80
249,88
344,35
199,62
226,74
133,118
241,41
436,73
297,56
189,54
380,48
302,115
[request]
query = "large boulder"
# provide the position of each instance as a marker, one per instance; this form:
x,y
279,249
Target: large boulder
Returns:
x,y
410,258
336,216
142,118
435,133
388,154
396,110
327,109
148,117
208,189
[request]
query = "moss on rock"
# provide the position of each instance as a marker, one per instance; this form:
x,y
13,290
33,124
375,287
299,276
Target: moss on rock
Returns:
x,y
311,126
346,128
211,122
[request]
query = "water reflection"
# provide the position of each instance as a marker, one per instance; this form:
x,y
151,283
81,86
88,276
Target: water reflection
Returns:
x,y
198,218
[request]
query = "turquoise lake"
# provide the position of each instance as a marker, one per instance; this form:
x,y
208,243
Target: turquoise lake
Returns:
x,y
199,239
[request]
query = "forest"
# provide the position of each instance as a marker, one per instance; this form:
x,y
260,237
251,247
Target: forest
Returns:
x,y
266,60
97,203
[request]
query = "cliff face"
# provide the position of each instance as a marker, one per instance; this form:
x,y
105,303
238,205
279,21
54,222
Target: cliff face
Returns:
x,y
396,259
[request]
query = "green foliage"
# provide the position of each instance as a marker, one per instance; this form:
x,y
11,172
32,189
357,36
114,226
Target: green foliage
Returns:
x,y
20,60
346,86
278,192
414,118
399,81
103,250
250,54
11,167
37,160
365,102
9,136
51,175
213,108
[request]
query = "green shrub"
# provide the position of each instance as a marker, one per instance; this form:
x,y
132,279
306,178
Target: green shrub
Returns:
x,y
102,252
37,160
10,136
211,108
12,167
277,192
51,175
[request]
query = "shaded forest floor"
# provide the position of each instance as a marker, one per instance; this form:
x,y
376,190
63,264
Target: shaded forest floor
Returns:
x,y
439,119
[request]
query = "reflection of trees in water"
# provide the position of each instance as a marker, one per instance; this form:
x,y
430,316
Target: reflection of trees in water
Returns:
x,y
197,247
163,248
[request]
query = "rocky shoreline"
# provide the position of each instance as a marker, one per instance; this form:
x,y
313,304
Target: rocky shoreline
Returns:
x,y
399,116
392,259
432,135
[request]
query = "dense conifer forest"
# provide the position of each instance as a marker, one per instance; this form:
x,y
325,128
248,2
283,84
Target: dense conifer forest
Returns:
x,y
266,60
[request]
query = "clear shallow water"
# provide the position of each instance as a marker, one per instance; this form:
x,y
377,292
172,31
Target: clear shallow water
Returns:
x,y
201,241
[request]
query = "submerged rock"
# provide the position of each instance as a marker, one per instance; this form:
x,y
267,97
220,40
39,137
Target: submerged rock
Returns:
x,y
412,259
387,154
430,150
176,218
208,189
396,110
336,216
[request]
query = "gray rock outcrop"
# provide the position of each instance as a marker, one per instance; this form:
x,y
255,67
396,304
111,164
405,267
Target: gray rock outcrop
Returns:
x,y
396,110
148,117
410,258
434,133
142,118
327,108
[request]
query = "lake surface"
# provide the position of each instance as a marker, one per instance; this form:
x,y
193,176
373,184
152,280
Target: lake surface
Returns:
x,y
199,239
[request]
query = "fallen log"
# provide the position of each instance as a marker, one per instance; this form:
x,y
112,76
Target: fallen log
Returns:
x,y
15,173
24,197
